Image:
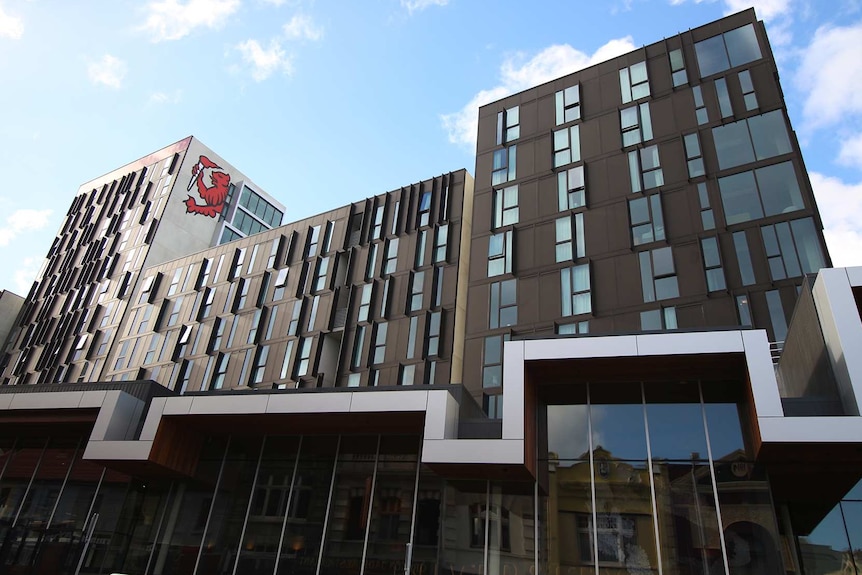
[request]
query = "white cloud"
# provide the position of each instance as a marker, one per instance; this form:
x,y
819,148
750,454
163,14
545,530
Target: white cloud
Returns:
x,y
829,74
10,26
165,98
765,9
550,63
840,207
301,27
851,152
108,71
419,5
173,19
21,221
264,62
26,275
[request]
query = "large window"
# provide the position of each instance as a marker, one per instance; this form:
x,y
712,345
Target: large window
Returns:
x,y
694,155
570,237
571,189
504,169
712,264
755,138
658,275
699,106
677,68
635,125
707,217
568,104
492,361
645,169
503,304
378,353
508,125
417,285
634,83
743,258
647,220
567,146
500,253
575,290
260,207
767,191
792,248
728,50
506,206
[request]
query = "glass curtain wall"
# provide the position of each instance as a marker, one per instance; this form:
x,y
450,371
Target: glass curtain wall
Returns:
x,y
655,478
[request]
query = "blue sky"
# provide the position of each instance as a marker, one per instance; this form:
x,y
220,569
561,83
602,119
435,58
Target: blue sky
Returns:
x,y
323,103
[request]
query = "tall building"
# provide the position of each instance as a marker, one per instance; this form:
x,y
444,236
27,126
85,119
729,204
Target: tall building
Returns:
x,y
566,367
178,200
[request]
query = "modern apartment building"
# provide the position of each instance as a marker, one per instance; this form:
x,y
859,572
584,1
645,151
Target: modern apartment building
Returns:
x,y
564,367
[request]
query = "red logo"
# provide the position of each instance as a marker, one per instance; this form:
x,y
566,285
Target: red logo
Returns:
x,y
215,195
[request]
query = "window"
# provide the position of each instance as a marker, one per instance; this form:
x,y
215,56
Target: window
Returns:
x,y
636,125
721,91
396,214
406,374
417,284
411,337
755,138
254,328
747,86
645,169
506,206
241,294
441,243
615,536
372,261
207,304
238,259
312,315
571,189
699,106
492,405
280,283
378,353
358,344
744,310
175,282
792,248
121,355
320,274
634,82
145,289
647,220
658,275
184,375
437,289
391,262
567,145
425,202
217,334
313,240
504,168
508,125
569,230
150,355
421,243
707,218
220,371
259,365
658,319
492,361
575,290
377,225
743,257
500,253
767,191
252,259
327,236
288,353
384,299
576,328
364,302
568,104
294,318
776,315
174,314
728,50
504,304
694,156
677,68
273,252
303,360
712,264
432,339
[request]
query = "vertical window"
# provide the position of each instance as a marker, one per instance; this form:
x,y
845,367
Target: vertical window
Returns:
x,y
658,275
421,243
320,274
145,289
500,253
570,237
175,282
384,299
411,337
313,239
748,95
184,375
636,125
377,225
492,405
657,319
437,296
406,375
645,169
259,365
441,243
254,328
508,125
432,339
149,356
294,318
743,257
391,262
575,290
567,145
372,261
396,214
288,354
707,218
504,168
327,236
568,104
364,302
503,304
699,106
174,315
677,68
252,259
358,345
417,284
425,204
280,283
492,361
506,206
634,83
217,334
647,220
238,259
724,105
744,310
694,156
304,358
273,252
207,304
776,315
378,354
241,294
712,264
571,189
312,315
792,248
220,371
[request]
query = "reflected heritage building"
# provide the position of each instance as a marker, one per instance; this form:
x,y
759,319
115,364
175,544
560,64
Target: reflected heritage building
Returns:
x,y
571,366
